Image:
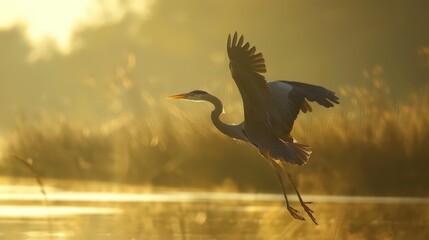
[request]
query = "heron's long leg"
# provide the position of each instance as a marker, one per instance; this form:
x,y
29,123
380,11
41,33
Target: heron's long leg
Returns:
x,y
303,204
293,211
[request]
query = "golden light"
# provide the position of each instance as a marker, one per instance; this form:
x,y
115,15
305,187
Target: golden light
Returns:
x,y
51,22
37,211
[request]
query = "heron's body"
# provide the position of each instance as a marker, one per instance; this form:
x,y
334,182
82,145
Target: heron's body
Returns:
x,y
270,110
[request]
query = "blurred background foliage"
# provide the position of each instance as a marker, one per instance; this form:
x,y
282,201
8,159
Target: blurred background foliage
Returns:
x,y
98,110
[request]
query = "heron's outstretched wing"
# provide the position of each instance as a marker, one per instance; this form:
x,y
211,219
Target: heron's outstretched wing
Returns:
x,y
246,68
314,93
291,97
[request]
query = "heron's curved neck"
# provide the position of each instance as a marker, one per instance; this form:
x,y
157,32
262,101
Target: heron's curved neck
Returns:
x,y
233,131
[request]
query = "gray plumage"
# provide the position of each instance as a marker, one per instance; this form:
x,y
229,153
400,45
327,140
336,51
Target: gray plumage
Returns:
x,y
270,110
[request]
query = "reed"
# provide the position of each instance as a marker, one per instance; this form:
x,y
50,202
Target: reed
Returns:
x,y
369,144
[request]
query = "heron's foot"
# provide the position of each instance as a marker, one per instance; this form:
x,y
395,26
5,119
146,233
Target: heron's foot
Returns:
x,y
309,211
295,213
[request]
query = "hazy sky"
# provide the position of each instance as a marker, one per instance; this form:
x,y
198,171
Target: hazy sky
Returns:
x,y
57,20
90,59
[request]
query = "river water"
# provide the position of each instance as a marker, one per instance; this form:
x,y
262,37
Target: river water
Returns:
x,y
24,214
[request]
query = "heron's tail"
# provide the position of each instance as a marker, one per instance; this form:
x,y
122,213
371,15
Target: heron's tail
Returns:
x,y
294,153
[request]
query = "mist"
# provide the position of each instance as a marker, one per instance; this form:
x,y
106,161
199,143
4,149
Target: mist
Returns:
x,y
99,109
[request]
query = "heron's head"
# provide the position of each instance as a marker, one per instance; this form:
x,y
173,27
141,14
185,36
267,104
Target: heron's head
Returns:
x,y
196,95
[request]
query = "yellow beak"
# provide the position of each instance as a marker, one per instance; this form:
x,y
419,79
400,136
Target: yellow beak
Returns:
x,y
178,96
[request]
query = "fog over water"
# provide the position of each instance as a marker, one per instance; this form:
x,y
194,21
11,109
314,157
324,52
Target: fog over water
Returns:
x,y
94,92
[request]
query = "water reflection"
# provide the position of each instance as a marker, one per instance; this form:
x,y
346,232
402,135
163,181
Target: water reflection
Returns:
x,y
203,215
31,193
37,211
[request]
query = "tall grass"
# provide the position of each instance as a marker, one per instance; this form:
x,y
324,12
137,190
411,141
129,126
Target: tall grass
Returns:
x,y
369,144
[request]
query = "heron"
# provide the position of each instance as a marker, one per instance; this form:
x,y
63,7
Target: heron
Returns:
x,y
270,110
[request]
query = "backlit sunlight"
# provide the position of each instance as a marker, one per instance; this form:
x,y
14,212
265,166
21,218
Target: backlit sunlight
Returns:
x,y
91,147
51,22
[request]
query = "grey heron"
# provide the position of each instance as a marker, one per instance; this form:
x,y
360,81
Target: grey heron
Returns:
x,y
270,109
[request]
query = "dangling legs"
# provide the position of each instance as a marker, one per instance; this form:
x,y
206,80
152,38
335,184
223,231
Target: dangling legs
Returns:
x,y
303,204
279,174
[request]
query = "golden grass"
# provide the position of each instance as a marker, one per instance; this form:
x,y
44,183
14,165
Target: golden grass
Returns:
x,y
369,143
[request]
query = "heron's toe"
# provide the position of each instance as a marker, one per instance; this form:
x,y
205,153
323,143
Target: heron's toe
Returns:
x,y
295,213
309,213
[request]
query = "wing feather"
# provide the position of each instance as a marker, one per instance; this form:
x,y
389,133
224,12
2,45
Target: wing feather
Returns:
x,y
246,46
245,60
251,51
240,42
291,97
314,93
258,61
247,68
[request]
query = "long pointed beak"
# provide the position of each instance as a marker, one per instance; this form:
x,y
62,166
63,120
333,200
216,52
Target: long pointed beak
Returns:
x,y
178,96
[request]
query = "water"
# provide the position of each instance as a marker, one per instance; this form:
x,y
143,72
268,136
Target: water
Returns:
x,y
203,215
